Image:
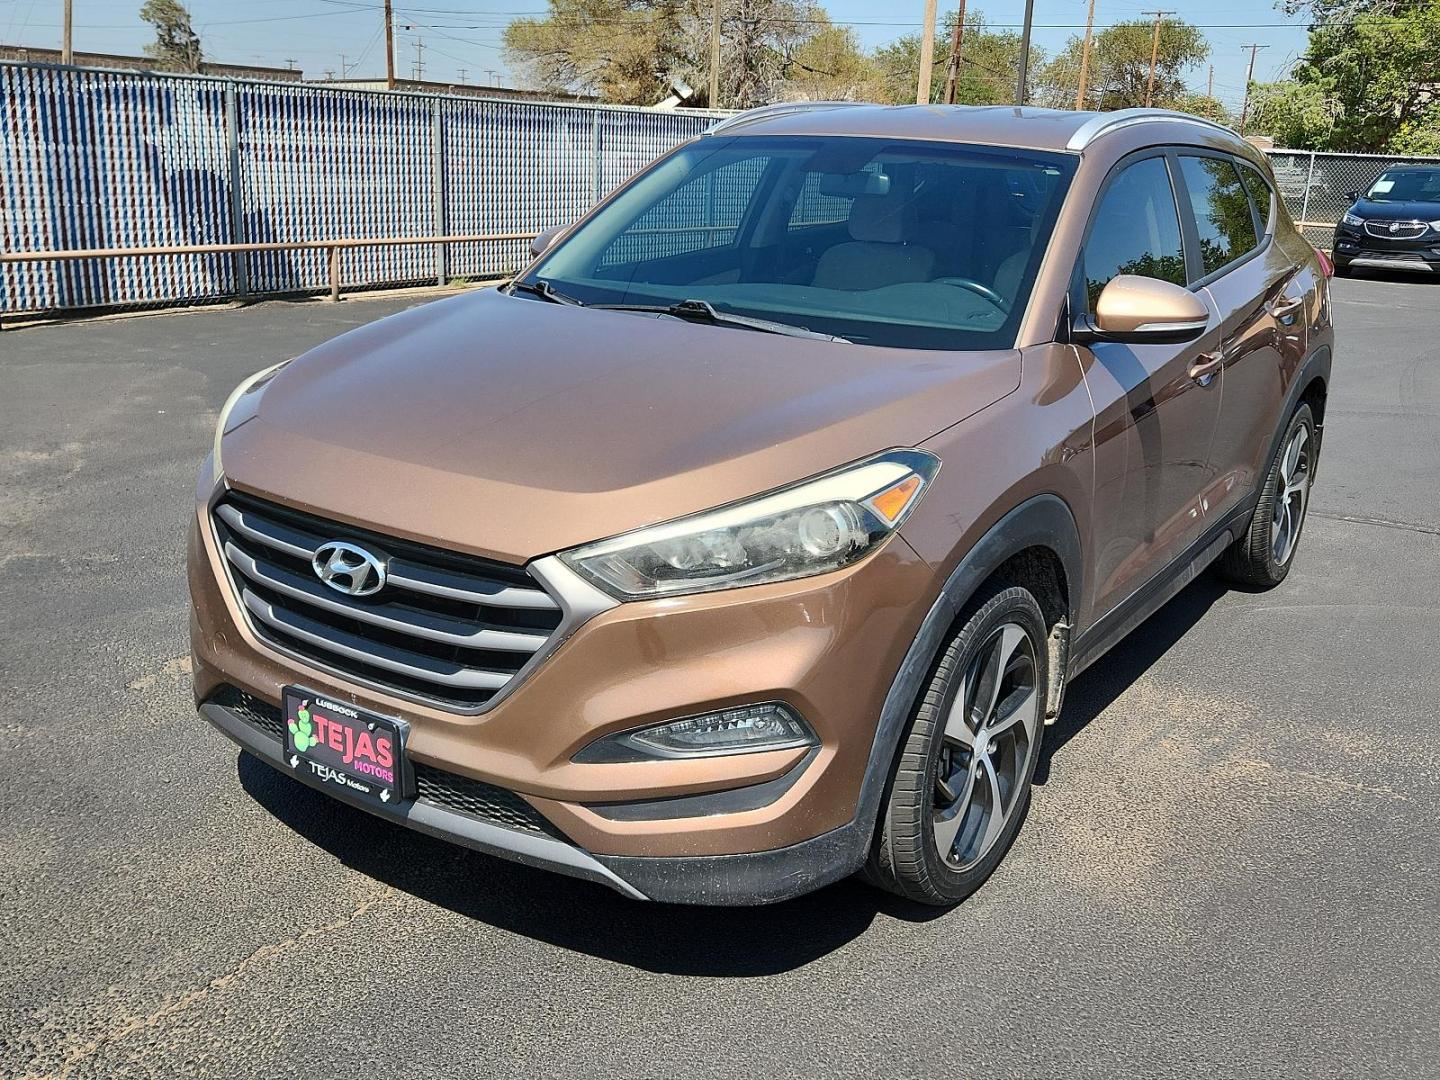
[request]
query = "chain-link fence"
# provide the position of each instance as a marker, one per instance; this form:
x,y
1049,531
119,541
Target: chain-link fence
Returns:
x,y
1319,187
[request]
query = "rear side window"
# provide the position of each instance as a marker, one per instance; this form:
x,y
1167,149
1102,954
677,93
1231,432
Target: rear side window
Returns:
x,y
1260,195
1136,229
1222,210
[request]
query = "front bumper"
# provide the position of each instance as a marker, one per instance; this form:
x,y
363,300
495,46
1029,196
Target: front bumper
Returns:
x,y
750,878
745,828
1355,247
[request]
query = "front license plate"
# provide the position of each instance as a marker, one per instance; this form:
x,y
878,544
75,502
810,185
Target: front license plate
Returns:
x,y
346,747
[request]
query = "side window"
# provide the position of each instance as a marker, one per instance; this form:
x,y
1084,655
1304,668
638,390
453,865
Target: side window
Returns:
x,y
1260,194
1222,210
1136,229
700,214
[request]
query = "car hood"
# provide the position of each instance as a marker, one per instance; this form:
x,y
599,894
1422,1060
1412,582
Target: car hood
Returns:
x,y
1396,211
512,428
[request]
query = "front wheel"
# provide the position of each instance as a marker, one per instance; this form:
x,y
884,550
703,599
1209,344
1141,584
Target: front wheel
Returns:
x,y
1262,557
961,786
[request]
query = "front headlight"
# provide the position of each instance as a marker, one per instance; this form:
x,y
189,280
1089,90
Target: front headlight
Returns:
x,y
811,528
1351,219
239,407
1435,225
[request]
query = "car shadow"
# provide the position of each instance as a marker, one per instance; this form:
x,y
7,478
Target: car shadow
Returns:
x,y
665,938
574,914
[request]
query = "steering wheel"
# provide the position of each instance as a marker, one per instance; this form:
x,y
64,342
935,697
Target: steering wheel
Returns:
x,y
978,289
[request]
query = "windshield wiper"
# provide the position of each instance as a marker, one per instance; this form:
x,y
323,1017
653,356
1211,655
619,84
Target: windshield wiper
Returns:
x,y
704,311
543,289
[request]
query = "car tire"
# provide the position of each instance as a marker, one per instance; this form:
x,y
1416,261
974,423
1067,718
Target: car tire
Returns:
x,y
971,747
1261,558
1342,268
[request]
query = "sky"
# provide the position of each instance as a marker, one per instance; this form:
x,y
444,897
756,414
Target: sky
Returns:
x,y
466,34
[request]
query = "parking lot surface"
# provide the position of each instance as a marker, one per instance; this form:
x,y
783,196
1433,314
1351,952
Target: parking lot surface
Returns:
x,y
1231,867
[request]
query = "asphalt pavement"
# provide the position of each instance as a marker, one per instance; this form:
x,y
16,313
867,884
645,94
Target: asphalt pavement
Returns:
x,y
1231,867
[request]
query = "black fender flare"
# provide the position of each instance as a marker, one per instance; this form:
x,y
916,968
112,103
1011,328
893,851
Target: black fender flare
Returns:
x,y
1040,521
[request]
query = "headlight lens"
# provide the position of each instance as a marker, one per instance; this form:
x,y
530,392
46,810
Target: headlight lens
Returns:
x,y
239,407
1351,219
811,528
1435,225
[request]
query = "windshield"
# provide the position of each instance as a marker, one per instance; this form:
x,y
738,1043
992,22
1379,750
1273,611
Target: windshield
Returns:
x,y
909,244
1407,185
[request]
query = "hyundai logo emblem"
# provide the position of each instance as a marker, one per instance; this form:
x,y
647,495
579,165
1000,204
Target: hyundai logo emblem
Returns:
x,y
349,569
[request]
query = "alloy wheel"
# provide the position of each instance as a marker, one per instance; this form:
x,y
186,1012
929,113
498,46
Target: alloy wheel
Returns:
x,y
989,735
1291,496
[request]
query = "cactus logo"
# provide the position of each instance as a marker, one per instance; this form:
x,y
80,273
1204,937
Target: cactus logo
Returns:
x,y
302,730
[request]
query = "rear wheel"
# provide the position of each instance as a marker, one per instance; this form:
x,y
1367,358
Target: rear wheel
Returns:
x,y
961,786
1262,557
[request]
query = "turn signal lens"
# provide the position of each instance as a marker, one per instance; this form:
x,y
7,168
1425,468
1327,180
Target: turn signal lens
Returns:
x,y
890,504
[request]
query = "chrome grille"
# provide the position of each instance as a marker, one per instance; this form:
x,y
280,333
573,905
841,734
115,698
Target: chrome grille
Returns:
x,y
449,629
1408,230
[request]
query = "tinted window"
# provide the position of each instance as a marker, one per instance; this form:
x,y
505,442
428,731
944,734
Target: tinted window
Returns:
x,y
1136,229
880,241
1222,210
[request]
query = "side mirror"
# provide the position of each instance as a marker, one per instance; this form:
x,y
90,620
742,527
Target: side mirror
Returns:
x,y
1353,196
545,240
1143,311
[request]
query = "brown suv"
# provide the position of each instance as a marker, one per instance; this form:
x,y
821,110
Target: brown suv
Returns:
x,y
750,537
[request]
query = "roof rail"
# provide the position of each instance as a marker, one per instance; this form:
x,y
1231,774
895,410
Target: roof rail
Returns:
x,y
1105,123
782,108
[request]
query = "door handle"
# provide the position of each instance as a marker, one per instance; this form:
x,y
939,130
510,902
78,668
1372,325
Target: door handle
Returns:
x,y
1205,367
1282,308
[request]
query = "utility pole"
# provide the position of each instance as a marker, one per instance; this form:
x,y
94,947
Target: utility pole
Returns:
x,y
1210,84
389,46
419,66
957,53
67,39
1249,78
289,64
463,72
1022,83
1085,59
715,56
927,55
1154,56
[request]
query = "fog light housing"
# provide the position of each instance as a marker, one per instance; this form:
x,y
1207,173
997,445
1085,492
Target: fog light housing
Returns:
x,y
745,729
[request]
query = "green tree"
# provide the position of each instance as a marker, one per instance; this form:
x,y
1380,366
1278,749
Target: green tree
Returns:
x,y
176,44
831,66
1120,67
1368,81
1297,115
629,51
987,75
